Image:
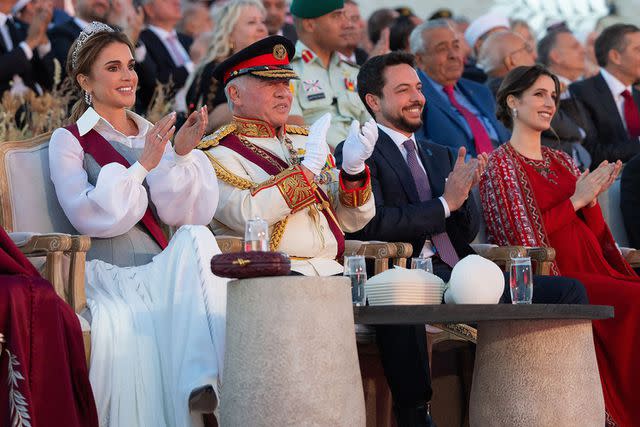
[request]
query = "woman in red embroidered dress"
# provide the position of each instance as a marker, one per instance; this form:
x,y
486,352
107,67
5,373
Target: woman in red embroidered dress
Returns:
x,y
535,196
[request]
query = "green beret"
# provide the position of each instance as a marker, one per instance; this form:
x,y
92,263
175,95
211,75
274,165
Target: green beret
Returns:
x,y
314,8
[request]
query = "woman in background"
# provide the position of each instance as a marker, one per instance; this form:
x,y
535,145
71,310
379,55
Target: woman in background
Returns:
x,y
240,23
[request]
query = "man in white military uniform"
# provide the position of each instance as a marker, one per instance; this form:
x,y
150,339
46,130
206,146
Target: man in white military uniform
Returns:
x,y
327,82
285,174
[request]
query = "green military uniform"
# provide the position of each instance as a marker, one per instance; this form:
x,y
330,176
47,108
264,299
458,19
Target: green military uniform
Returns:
x,y
321,90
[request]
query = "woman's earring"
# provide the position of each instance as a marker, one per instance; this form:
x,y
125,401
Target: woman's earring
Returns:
x,y
87,97
514,113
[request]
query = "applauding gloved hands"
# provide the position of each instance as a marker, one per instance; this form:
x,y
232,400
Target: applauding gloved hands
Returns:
x,y
358,146
316,149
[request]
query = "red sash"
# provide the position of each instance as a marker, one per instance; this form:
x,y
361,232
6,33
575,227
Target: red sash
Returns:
x,y
99,148
274,167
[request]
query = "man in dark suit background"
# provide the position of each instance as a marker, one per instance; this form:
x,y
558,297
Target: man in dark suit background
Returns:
x,y
167,54
21,47
609,98
421,192
460,113
275,21
63,35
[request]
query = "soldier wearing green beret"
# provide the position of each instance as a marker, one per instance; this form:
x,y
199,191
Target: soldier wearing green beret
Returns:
x,y
327,83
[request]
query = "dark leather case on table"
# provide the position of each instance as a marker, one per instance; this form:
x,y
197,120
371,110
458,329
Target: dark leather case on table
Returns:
x,y
243,265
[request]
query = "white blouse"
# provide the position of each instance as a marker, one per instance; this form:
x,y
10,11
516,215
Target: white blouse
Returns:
x,y
184,189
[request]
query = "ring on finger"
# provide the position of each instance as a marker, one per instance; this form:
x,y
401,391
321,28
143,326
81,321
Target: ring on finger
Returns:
x,y
158,136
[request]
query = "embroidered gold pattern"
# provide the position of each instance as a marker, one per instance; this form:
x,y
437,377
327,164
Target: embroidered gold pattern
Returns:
x,y
296,130
253,128
293,186
214,139
356,197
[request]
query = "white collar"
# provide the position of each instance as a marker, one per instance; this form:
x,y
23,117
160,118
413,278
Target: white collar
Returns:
x,y
396,136
3,18
80,23
615,86
90,119
162,33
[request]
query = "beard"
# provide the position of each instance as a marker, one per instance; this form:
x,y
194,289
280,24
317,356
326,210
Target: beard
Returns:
x,y
400,122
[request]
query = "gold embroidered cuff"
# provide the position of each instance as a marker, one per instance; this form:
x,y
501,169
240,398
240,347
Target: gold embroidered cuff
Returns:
x,y
294,187
358,196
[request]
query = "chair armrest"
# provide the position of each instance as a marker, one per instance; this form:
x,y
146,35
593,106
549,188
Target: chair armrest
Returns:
x,y
41,244
229,244
501,255
380,252
457,330
542,259
632,256
404,252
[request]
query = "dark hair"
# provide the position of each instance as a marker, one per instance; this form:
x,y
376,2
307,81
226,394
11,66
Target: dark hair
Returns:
x,y
399,33
378,21
612,37
87,55
547,44
516,83
371,76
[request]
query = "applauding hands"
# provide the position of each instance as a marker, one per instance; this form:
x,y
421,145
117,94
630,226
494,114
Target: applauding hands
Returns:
x,y
590,184
462,178
359,146
316,148
187,138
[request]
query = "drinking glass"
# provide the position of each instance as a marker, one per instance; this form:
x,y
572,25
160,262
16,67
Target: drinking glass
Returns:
x,y
356,269
521,280
421,263
256,235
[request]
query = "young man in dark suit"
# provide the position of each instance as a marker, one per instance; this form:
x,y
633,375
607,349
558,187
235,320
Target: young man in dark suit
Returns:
x,y
21,47
460,112
167,54
421,192
630,200
609,97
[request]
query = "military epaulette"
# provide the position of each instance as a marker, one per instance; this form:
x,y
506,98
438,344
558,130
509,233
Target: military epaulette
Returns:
x,y
214,138
297,130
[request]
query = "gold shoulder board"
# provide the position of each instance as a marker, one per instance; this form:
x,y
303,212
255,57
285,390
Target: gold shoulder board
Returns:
x,y
214,138
297,130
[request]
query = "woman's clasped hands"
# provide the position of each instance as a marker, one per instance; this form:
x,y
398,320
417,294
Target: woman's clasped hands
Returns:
x,y
591,184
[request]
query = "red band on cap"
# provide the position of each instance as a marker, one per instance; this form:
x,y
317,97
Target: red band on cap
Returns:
x,y
262,60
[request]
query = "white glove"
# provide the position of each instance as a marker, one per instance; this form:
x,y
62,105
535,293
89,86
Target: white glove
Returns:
x,y
358,146
316,148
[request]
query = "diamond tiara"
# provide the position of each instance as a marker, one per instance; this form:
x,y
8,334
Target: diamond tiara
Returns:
x,y
91,29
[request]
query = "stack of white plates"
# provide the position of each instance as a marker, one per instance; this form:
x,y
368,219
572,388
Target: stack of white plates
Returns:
x,y
404,287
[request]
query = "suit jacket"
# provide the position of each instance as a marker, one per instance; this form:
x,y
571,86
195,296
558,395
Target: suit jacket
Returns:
x,y
15,61
62,37
607,138
630,200
289,31
400,215
445,126
158,66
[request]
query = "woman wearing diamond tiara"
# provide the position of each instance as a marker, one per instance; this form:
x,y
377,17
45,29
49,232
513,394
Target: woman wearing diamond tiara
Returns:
x,y
157,311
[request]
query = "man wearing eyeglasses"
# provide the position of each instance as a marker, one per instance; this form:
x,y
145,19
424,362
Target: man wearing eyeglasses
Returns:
x,y
504,51
459,112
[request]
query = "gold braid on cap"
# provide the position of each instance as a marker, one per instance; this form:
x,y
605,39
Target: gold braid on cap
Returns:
x,y
91,29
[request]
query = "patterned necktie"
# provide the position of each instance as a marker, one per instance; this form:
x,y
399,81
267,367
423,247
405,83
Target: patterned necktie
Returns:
x,y
441,241
631,114
178,56
480,135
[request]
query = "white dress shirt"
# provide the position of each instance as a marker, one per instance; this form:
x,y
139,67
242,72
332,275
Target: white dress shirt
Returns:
x,y
616,87
184,189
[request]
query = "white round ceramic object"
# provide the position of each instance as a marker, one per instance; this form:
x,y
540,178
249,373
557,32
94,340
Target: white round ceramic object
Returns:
x,y
475,280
